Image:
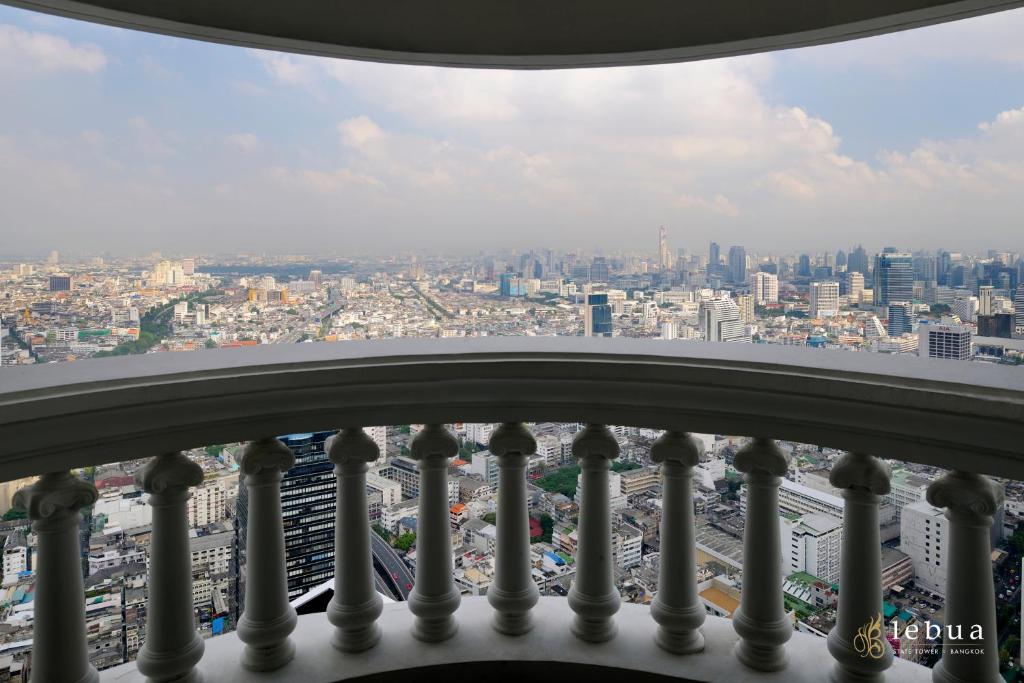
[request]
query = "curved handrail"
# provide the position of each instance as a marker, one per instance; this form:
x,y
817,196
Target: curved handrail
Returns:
x,y
945,413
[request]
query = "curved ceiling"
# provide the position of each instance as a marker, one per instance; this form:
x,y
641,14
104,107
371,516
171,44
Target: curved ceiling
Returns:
x,y
520,34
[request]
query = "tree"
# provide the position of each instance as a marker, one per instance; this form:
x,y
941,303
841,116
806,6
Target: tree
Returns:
x,y
490,518
13,514
382,532
547,525
210,344
405,541
940,309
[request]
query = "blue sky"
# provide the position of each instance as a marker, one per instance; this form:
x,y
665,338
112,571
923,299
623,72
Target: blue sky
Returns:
x,y
124,141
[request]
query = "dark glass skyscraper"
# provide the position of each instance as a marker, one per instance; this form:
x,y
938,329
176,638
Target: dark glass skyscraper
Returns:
x,y
894,278
308,499
857,261
598,318
737,264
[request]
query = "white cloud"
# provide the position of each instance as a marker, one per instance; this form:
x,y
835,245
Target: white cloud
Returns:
x,y
359,132
244,142
22,52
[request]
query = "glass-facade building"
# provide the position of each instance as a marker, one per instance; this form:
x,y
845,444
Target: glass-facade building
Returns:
x,y
894,278
598,320
308,501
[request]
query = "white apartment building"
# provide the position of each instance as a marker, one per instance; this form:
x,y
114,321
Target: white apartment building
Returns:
x,y
799,499
766,288
390,491
485,465
627,545
380,437
811,543
208,504
824,299
854,285
906,488
549,447
924,536
720,321
479,432
617,500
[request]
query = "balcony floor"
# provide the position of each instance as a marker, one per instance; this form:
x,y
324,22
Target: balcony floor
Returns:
x,y
479,650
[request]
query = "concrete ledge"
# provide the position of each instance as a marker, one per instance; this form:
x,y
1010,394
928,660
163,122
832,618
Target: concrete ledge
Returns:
x,y
944,413
633,649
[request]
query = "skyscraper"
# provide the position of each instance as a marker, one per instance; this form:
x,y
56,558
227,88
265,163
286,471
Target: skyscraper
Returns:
x,y
824,299
599,269
766,288
857,261
720,321
308,498
804,268
737,264
714,257
1018,307
893,278
664,256
901,318
597,318
985,300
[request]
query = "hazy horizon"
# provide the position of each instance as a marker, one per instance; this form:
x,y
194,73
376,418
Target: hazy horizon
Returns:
x,y
125,142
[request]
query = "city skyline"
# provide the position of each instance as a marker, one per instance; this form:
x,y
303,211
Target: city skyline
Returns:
x,y
175,142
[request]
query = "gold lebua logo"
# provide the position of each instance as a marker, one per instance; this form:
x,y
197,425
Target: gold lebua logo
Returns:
x,y
868,641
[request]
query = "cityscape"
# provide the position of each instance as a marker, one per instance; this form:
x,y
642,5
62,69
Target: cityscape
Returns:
x,y
951,307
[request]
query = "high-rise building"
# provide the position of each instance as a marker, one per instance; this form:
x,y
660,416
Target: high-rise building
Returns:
x,y
857,261
852,285
811,544
599,269
737,264
745,302
316,277
952,342
54,258
1018,307
840,258
924,535
664,255
901,318
720,321
60,283
597,320
188,266
766,288
893,278
985,294
824,299
714,257
308,497
511,285
804,267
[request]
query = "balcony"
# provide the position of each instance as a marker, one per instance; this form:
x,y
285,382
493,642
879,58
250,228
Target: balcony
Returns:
x,y
968,418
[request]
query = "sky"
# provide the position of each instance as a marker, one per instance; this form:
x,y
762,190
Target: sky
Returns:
x,y
125,142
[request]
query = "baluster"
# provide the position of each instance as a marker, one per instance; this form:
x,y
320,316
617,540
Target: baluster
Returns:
x,y
593,596
434,597
676,607
356,605
513,593
761,620
970,500
268,618
59,645
858,642
172,647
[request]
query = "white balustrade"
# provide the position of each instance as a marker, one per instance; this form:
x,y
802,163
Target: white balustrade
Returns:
x,y
268,618
434,597
513,593
59,647
593,596
172,647
970,650
676,607
760,619
857,641
356,604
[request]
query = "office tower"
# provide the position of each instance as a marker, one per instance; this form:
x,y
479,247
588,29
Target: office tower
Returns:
x,y
1018,307
901,318
714,258
597,320
511,285
664,256
925,268
316,277
737,265
308,496
893,277
745,302
60,283
804,268
944,262
852,285
720,321
985,294
581,272
996,325
951,342
857,262
965,308
766,288
824,299
599,269
840,258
